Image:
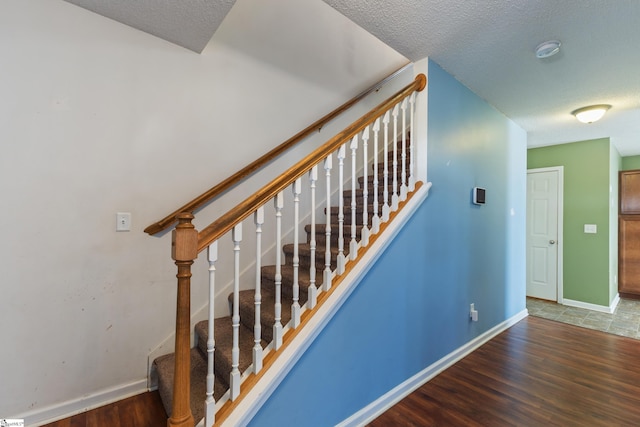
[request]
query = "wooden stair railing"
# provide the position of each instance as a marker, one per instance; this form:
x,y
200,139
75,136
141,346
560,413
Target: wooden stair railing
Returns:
x,y
187,242
227,221
211,194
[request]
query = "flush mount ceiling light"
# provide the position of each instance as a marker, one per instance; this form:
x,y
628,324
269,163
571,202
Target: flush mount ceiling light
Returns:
x,y
591,114
547,49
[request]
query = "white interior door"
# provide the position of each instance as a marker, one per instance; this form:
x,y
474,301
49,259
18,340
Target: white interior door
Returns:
x,y
544,202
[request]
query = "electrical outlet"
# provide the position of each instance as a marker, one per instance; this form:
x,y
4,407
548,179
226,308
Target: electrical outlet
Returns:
x,y
473,313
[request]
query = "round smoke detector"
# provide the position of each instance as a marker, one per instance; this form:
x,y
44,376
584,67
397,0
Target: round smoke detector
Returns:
x,y
548,48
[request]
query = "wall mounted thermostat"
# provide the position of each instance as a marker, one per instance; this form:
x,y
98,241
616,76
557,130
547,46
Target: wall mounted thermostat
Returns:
x,y
479,196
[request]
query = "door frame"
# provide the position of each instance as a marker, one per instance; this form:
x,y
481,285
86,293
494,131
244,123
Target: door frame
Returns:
x,y
560,241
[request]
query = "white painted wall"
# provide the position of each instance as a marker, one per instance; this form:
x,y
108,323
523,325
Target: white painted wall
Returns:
x,y
615,164
96,118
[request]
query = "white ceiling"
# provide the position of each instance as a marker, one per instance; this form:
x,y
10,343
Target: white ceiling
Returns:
x,y
486,44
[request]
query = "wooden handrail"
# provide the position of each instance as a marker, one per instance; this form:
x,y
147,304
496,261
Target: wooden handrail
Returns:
x,y
257,164
227,221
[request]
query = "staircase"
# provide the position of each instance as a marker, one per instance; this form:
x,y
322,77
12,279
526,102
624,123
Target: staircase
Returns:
x,y
164,365
209,377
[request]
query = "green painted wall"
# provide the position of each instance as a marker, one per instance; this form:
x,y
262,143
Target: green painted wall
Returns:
x,y
586,201
631,162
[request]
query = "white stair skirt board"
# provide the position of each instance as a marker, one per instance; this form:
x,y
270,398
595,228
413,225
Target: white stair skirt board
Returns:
x,y
595,307
386,401
257,396
69,408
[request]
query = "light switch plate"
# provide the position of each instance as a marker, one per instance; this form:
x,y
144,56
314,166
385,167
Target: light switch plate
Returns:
x,y
590,228
123,221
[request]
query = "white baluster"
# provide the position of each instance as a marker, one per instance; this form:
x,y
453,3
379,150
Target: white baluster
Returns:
x,y
234,381
364,234
341,261
257,327
277,326
210,407
312,291
295,306
394,196
412,153
326,279
385,191
375,221
353,245
403,187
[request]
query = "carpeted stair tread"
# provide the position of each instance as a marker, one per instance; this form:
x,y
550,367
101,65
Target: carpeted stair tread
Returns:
x,y
347,194
286,271
399,154
359,219
223,334
165,365
321,229
360,190
267,310
321,237
346,209
381,182
390,166
304,254
360,193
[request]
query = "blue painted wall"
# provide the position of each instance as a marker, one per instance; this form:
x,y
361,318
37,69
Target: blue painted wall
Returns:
x,y
412,308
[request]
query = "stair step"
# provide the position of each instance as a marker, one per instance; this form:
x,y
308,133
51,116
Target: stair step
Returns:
x,y
381,183
304,255
165,365
223,334
267,310
407,167
346,209
347,215
370,174
286,271
398,152
321,237
346,196
398,142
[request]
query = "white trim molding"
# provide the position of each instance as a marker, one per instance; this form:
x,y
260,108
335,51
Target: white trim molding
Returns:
x,y
69,408
595,307
560,239
386,401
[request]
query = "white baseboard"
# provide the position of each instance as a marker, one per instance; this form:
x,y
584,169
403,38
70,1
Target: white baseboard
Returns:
x,y
69,408
386,401
595,307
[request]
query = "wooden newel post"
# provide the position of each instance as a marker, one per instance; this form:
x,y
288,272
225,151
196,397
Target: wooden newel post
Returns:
x,y
184,250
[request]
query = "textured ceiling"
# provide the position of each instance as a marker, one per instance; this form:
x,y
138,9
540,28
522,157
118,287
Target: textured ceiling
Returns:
x,y
187,23
489,46
486,44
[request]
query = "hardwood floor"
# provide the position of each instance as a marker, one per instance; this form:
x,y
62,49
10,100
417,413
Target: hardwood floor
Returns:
x,y
143,410
537,373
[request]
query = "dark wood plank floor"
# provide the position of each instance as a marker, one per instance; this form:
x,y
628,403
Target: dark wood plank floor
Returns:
x,y
538,373
143,410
